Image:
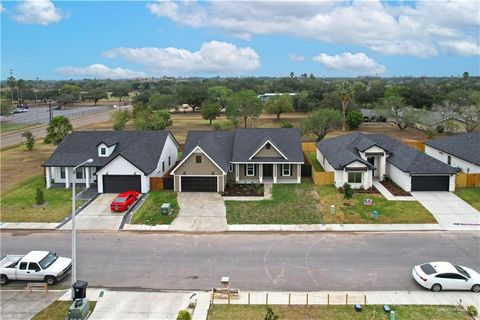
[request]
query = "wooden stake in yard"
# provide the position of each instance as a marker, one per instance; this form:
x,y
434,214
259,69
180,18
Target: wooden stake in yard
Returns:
x,y
365,300
346,298
249,298
266,298
289,298
228,295
307,299
328,299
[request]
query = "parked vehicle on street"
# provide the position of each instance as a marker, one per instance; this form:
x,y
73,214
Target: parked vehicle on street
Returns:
x,y
20,110
438,276
124,201
36,265
58,107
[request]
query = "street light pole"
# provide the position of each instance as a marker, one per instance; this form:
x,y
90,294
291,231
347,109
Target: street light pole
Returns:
x,y
74,236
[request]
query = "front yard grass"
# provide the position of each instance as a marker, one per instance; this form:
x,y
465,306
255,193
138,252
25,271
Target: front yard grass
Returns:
x,y
58,310
369,312
149,213
389,211
18,204
470,195
290,204
312,157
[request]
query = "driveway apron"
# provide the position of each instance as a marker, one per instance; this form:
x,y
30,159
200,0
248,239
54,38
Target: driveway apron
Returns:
x,y
200,211
451,212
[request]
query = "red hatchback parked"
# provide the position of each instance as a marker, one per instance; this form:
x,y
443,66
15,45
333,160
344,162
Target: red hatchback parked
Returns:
x,y
123,201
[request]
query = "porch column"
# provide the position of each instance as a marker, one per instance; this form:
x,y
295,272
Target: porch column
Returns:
x,y
67,177
299,173
87,177
237,172
48,177
260,172
275,173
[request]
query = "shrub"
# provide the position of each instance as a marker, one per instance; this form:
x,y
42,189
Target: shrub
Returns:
x,y
29,139
224,125
58,128
430,133
183,315
471,310
120,119
286,124
39,197
271,315
354,119
348,192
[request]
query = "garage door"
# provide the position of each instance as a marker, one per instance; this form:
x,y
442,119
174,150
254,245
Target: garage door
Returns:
x,y
199,184
430,183
121,183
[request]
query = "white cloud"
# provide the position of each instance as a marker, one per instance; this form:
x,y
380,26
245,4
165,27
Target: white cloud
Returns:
x,y
100,71
404,29
463,48
296,57
358,63
213,56
38,12
2,8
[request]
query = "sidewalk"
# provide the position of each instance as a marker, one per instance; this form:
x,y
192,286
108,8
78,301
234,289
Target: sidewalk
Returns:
x,y
333,227
388,195
27,225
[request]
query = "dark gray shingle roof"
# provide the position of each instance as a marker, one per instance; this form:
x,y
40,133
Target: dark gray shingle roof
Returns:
x,y
342,150
141,148
465,146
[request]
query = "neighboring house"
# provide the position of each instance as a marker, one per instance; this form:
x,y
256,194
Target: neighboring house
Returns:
x,y
212,158
359,159
461,151
371,115
264,97
432,120
122,160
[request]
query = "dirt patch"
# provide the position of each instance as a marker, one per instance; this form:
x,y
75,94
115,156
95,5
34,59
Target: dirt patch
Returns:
x,y
243,190
394,188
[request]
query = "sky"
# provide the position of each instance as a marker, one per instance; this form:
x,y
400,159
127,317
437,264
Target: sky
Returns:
x,y
129,39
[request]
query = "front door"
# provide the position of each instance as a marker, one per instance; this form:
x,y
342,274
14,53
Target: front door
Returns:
x,y
372,162
268,170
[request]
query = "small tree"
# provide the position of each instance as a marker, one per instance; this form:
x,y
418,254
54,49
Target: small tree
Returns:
x,y
219,96
210,112
270,315
321,122
347,192
120,119
244,104
394,108
159,101
120,92
58,128
5,107
39,197
354,119
97,94
279,105
29,139
147,119
183,315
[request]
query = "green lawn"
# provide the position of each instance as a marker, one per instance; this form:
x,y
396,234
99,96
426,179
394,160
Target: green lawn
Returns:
x,y
470,195
290,204
149,213
312,157
389,211
337,312
10,126
18,204
58,310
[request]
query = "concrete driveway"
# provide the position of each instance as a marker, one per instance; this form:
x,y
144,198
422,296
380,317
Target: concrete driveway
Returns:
x,y
200,211
97,215
19,304
451,212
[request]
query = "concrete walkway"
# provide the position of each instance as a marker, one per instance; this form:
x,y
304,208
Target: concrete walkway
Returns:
x,y
200,211
388,195
333,227
20,304
451,212
28,225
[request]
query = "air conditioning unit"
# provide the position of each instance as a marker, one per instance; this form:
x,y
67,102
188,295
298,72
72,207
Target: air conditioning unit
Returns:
x,y
79,309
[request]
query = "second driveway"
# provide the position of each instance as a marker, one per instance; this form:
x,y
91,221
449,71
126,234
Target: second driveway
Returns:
x,y
200,211
451,212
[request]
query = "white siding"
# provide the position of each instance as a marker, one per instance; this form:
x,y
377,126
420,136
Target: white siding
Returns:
x,y
58,179
108,151
120,166
402,179
466,166
338,175
170,149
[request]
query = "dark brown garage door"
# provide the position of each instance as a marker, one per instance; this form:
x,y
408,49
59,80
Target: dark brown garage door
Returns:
x,y
199,184
121,183
430,183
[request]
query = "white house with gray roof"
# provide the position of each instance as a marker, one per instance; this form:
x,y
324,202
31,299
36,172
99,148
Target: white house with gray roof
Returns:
x,y
461,151
256,155
359,159
122,160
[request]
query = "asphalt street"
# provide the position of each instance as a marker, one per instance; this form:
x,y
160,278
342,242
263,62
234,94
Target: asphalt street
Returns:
x,y
39,115
300,262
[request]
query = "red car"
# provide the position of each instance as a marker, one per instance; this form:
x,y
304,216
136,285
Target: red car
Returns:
x,y
123,201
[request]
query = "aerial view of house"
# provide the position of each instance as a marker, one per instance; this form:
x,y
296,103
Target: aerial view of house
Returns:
x,y
359,159
122,160
461,151
256,155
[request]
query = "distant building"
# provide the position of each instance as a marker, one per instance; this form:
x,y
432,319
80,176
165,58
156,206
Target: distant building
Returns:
x,y
264,97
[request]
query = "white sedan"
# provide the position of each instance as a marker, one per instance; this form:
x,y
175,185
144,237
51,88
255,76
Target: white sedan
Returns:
x,y
438,276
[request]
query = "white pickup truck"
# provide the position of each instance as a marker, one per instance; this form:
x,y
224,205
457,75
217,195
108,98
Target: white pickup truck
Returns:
x,y
34,266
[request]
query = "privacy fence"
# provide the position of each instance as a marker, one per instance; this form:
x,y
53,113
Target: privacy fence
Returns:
x,y
467,180
319,178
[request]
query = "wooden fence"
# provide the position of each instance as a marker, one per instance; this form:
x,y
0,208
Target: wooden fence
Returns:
x,y
309,147
420,146
467,180
156,183
322,178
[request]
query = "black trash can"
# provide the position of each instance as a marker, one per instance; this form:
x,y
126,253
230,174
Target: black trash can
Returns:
x,y
80,289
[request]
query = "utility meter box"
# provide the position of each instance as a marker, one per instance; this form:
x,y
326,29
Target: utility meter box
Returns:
x,y
166,209
79,309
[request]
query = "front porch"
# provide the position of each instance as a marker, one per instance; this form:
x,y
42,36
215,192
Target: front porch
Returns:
x,y
266,173
56,177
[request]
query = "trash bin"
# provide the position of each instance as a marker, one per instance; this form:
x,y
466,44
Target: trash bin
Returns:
x,y
79,289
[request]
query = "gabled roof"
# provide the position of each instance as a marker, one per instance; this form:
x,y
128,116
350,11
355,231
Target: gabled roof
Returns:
x,y
266,140
140,148
343,150
465,146
286,140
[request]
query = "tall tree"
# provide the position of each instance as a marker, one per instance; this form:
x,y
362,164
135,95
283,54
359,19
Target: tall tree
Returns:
x,y
69,93
20,88
219,96
210,112
471,112
12,83
58,128
120,91
244,104
345,93
321,122
97,94
194,95
159,101
395,109
279,105
6,107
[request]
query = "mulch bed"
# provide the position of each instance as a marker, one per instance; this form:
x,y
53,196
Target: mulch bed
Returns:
x,y
394,188
243,190
370,190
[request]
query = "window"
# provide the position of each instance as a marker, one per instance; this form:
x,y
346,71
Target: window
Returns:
x,y
198,159
268,146
33,266
428,268
250,168
48,260
355,177
169,161
103,151
450,276
23,266
230,168
286,170
163,166
62,172
449,160
79,173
